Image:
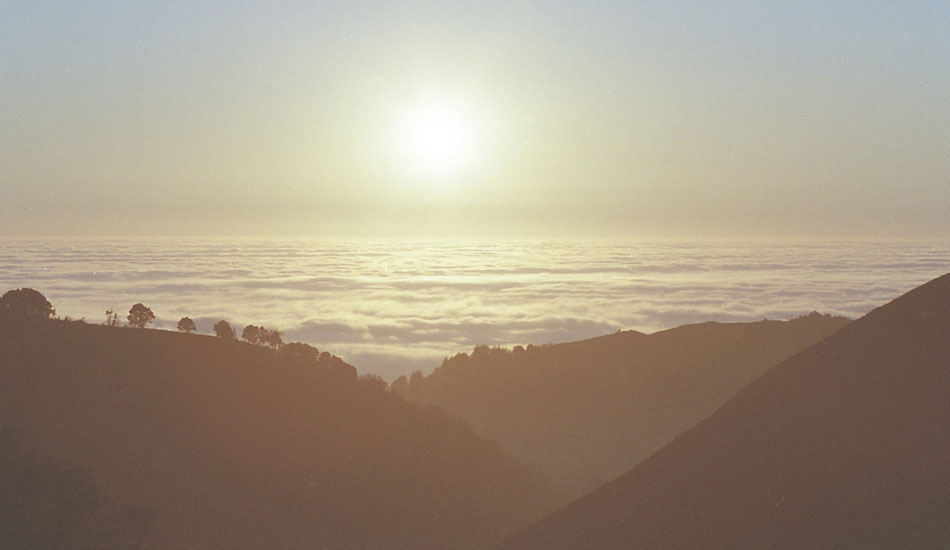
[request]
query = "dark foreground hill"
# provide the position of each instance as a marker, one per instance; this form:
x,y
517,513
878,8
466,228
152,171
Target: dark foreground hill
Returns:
x,y
585,412
237,446
845,445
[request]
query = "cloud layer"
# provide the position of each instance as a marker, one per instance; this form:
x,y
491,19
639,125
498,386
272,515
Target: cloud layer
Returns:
x,y
392,307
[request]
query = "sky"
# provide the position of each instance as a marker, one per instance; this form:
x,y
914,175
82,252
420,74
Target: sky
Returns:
x,y
488,119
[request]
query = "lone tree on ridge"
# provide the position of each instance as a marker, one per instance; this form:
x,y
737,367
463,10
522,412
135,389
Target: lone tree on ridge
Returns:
x,y
223,330
186,325
139,316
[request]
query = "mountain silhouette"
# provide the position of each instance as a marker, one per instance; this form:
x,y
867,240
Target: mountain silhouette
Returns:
x,y
844,445
232,445
585,412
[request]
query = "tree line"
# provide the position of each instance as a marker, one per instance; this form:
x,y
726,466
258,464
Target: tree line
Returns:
x,y
29,304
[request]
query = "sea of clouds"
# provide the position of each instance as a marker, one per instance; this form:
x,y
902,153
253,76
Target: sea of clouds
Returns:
x,y
390,307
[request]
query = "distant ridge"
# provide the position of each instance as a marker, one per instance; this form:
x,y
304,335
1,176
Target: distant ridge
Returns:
x,y
585,412
844,445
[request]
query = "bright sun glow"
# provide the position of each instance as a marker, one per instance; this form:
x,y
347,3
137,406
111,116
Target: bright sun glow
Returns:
x,y
439,137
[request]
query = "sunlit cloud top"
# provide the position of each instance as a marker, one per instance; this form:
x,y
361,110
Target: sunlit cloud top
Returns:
x,y
391,307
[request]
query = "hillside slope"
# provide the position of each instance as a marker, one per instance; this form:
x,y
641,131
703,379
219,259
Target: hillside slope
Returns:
x,y
585,412
844,445
237,446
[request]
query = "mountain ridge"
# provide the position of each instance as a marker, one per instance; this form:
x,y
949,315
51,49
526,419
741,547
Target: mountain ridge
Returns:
x,y
239,446
568,408
842,445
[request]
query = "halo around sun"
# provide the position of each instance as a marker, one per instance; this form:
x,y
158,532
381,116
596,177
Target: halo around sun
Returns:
x,y
438,137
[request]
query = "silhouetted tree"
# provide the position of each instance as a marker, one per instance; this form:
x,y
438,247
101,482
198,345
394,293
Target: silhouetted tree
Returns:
x,y
299,350
400,386
112,318
26,303
252,334
300,353
186,325
223,330
416,383
271,338
139,316
261,335
374,381
480,353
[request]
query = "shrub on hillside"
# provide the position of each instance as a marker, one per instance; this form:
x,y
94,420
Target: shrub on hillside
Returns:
x,y
26,303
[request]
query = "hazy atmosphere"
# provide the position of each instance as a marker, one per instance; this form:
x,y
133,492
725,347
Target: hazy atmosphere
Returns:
x,y
474,275
487,119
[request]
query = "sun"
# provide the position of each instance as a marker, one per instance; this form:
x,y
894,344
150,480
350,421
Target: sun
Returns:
x,y
439,137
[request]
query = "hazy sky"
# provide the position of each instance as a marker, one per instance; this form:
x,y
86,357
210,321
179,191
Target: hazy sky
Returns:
x,y
620,119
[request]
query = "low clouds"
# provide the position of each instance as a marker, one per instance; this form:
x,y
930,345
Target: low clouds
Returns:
x,y
392,307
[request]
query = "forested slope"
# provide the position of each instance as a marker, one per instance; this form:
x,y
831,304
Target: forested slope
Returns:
x,y
585,412
844,445
233,445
